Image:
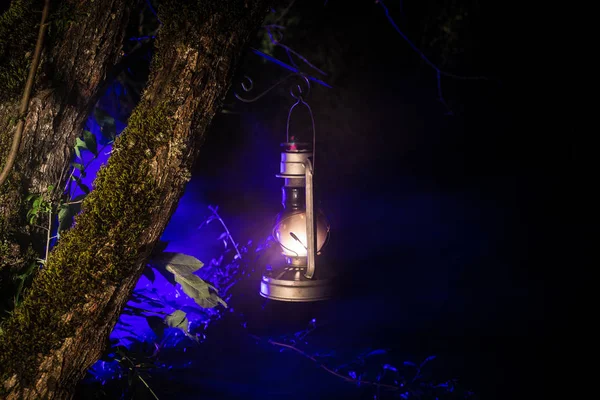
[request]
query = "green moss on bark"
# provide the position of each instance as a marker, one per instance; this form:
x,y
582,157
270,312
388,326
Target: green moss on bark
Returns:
x,y
100,250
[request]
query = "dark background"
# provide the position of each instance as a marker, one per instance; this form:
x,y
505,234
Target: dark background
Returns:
x,y
436,220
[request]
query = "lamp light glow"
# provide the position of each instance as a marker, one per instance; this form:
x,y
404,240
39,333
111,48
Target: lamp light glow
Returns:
x,y
290,233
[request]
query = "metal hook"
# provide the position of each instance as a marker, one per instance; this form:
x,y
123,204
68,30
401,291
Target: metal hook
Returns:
x,y
300,91
299,96
249,85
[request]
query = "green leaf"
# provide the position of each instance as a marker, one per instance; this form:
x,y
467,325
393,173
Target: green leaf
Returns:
x,y
177,319
63,212
102,117
149,273
159,247
179,263
157,325
77,152
106,122
198,290
80,143
183,266
81,169
83,187
66,213
90,142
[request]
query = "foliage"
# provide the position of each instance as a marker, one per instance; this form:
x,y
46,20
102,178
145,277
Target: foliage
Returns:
x,y
135,359
158,319
109,218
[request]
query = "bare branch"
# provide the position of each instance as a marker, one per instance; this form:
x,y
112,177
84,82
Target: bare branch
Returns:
x,y
346,378
439,72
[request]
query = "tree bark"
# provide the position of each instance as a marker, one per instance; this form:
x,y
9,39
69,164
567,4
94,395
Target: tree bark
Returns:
x,y
63,324
77,60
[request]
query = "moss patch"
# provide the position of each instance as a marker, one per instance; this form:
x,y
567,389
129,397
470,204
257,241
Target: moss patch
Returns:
x,y
100,250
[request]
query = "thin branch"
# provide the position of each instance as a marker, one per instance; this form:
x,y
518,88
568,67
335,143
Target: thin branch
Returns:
x,y
285,11
216,214
439,72
153,11
68,183
345,378
48,236
12,156
288,67
133,365
277,42
147,386
144,310
421,54
73,202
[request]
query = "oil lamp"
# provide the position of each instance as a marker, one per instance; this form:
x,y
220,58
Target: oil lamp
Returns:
x,y
301,229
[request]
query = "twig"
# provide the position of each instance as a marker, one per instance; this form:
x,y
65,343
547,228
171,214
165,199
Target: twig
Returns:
x,y
277,42
288,67
285,11
140,376
346,378
149,388
12,156
48,235
153,11
73,202
95,156
68,183
144,310
439,72
216,214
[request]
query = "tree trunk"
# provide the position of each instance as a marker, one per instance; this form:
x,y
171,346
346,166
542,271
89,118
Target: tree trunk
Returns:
x,y
84,44
63,324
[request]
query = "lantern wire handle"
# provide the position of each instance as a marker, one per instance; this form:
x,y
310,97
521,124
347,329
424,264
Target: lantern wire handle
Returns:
x,y
300,100
299,97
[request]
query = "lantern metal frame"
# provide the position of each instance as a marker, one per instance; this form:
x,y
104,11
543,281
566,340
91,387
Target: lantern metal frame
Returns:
x,y
298,280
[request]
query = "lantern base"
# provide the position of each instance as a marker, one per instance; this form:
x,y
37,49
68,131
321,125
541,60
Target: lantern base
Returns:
x,y
290,284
